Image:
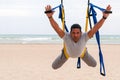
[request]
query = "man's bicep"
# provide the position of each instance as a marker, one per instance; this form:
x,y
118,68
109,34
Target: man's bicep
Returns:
x,y
90,33
61,33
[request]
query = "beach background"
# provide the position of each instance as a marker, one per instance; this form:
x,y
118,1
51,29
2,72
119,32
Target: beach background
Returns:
x,y
28,44
29,57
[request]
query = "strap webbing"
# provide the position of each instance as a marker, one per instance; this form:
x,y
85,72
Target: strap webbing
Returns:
x,y
102,68
79,63
64,27
56,7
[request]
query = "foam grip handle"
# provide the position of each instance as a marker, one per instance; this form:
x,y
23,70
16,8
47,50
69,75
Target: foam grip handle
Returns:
x,y
107,11
50,11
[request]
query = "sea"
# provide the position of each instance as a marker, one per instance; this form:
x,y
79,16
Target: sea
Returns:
x,y
52,39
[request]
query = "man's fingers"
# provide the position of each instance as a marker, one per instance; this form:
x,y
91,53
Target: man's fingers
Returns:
x,y
48,8
109,7
108,10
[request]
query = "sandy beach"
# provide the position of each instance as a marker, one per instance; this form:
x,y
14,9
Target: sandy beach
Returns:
x,y
33,62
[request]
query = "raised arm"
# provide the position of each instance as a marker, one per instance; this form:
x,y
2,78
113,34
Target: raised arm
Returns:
x,y
100,23
53,23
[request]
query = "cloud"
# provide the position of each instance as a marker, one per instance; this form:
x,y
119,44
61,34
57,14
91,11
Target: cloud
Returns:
x,y
30,14
14,12
19,7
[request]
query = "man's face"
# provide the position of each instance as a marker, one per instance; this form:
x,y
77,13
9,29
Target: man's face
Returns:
x,y
75,34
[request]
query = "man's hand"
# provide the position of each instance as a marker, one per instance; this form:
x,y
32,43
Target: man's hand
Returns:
x,y
48,8
105,15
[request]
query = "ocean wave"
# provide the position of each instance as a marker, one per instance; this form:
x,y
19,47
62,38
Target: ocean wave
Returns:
x,y
24,39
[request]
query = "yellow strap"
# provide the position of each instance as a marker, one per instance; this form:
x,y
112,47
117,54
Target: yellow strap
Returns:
x,y
65,52
83,53
86,29
63,28
63,16
86,25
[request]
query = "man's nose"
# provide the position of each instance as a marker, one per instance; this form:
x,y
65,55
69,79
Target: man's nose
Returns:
x,y
75,34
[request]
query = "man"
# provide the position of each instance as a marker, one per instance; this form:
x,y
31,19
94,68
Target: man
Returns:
x,y
75,41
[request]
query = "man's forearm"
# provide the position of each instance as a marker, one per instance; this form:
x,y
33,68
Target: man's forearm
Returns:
x,y
56,27
96,27
53,23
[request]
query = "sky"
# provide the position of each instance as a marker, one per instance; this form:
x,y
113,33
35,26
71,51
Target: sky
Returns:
x,y
27,16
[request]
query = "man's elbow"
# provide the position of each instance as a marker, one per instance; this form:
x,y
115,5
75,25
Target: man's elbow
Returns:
x,y
90,34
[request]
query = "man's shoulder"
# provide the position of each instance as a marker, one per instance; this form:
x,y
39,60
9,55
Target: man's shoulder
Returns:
x,y
85,35
67,35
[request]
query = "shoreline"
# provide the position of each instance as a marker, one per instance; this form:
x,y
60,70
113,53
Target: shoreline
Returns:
x,y
33,62
53,44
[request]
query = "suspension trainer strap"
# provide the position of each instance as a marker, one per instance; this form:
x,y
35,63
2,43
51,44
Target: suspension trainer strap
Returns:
x,y
102,68
79,63
102,9
53,9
